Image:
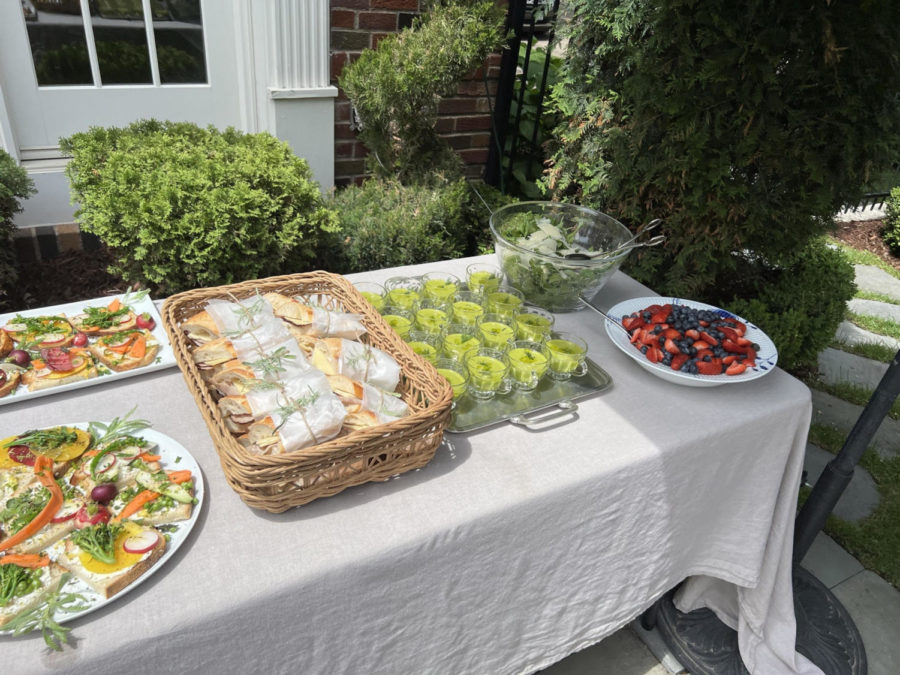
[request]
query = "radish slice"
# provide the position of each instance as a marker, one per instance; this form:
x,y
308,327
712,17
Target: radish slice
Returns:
x,y
53,338
141,543
15,327
129,452
105,463
66,512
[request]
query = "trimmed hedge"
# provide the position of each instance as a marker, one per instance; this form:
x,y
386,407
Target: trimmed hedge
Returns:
x,y
14,185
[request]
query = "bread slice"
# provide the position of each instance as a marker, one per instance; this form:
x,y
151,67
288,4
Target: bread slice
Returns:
x,y
121,362
6,343
9,380
44,378
50,577
200,328
107,580
127,321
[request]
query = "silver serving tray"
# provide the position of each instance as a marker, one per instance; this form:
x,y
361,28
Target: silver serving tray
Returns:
x,y
550,401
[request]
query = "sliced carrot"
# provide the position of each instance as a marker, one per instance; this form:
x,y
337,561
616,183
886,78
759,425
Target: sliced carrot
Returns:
x,y
91,453
31,560
43,469
114,305
139,347
182,476
149,457
136,504
37,364
125,346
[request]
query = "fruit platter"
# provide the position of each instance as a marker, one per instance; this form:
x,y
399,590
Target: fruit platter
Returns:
x,y
690,343
80,344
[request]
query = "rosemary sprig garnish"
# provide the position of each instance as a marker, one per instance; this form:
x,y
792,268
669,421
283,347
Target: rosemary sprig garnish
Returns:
x,y
118,428
247,313
43,617
299,404
271,364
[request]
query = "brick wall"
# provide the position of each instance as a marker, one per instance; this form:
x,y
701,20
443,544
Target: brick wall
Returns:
x,y
464,119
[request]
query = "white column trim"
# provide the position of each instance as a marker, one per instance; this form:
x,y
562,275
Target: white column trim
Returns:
x,y
300,32
318,92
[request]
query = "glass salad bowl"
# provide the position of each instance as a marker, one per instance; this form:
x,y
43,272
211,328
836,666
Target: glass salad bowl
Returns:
x,y
555,253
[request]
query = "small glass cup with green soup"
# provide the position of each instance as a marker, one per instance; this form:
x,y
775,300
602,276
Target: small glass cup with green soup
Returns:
x,y
505,300
403,292
440,286
497,330
488,371
372,292
528,362
459,339
567,356
398,318
432,315
533,323
455,373
427,345
483,277
467,308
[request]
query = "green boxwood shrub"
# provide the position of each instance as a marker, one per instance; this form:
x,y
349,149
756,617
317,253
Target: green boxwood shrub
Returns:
x,y
798,301
181,206
891,231
396,88
14,186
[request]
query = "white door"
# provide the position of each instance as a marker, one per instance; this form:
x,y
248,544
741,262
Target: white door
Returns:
x,y
66,65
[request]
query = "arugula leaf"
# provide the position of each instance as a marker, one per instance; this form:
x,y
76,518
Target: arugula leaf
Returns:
x,y
99,541
43,617
45,439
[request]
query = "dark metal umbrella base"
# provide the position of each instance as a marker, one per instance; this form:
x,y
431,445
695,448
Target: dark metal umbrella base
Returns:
x,y
826,634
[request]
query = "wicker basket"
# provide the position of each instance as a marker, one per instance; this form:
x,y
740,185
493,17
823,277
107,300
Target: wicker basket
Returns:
x,y
276,483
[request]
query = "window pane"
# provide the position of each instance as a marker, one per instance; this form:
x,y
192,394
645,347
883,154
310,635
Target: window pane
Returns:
x,y
58,45
179,43
121,41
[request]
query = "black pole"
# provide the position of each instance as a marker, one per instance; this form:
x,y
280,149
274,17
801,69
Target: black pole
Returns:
x,y
838,472
515,16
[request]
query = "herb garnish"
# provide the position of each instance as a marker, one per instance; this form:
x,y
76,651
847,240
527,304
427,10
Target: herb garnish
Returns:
x,y
118,428
42,440
41,324
272,364
99,541
17,581
23,509
42,617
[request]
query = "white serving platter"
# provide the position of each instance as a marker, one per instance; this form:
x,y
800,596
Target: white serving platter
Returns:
x,y
766,356
164,359
173,457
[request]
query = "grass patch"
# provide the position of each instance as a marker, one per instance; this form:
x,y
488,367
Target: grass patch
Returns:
x,y
869,350
875,541
852,393
875,324
858,257
879,297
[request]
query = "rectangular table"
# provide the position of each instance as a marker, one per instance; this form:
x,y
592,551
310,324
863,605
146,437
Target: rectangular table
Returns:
x,y
509,551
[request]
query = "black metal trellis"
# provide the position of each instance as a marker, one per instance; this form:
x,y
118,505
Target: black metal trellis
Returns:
x,y
528,24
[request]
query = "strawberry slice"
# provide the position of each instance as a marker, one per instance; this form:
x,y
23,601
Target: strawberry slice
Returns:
x,y
678,360
712,367
736,368
57,359
671,333
632,322
671,347
708,339
730,333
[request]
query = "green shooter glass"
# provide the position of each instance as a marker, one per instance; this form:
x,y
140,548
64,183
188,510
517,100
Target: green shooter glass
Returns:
x,y
459,340
424,344
440,286
488,371
403,292
481,278
398,318
567,355
455,373
432,315
372,292
467,308
505,300
528,361
497,330
533,323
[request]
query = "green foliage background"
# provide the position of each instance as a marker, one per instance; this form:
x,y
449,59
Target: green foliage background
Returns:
x,y
181,206
14,186
891,231
745,129
396,88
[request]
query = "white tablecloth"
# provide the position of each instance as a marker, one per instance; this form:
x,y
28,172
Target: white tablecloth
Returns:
x,y
509,551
